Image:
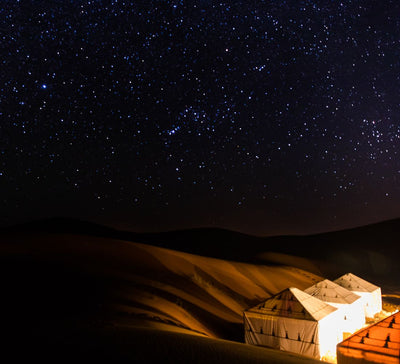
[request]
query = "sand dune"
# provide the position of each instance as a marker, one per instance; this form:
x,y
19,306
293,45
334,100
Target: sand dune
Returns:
x,y
198,293
105,283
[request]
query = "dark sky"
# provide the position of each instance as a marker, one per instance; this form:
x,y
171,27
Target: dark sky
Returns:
x,y
258,116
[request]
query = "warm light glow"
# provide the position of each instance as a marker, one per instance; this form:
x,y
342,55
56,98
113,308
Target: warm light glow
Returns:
x,y
329,357
328,339
330,334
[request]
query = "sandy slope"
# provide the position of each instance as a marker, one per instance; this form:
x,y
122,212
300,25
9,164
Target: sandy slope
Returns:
x,y
191,291
71,281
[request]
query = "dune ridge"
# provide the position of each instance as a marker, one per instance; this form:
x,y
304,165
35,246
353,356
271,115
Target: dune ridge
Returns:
x,y
163,284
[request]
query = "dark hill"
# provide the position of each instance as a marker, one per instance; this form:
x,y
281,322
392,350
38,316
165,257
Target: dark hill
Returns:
x,y
213,242
369,250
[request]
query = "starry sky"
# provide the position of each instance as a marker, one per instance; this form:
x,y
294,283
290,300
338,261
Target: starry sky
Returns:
x,y
265,117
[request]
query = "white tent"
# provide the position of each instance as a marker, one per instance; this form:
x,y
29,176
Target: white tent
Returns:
x,y
371,294
350,305
292,320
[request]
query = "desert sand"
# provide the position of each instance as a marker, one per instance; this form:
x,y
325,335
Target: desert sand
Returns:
x,y
101,298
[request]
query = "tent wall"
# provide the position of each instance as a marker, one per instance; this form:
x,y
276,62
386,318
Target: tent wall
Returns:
x,y
354,318
372,302
282,333
330,333
376,305
352,315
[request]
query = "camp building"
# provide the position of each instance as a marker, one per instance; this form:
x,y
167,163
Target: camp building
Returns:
x,y
370,294
293,320
350,304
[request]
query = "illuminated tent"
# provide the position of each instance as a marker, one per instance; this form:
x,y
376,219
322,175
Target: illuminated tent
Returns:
x,y
370,294
292,320
379,343
350,305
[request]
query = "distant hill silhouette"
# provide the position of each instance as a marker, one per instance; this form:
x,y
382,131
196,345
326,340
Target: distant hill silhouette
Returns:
x,y
222,243
214,242
370,249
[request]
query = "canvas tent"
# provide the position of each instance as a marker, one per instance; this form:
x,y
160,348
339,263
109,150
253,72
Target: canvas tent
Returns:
x,y
370,294
292,320
350,305
378,343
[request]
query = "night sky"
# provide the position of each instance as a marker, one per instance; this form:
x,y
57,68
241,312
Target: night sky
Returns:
x,y
260,116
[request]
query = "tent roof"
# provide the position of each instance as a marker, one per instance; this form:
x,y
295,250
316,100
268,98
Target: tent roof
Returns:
x,y
329,291
382,337
296,304
354,283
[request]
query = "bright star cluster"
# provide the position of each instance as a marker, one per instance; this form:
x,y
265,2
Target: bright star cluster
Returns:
x,y
264,117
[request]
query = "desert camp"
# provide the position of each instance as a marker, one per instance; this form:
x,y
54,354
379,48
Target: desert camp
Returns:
x,y
312,322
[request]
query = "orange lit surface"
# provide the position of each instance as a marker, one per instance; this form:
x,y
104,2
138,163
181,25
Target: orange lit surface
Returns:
x,y
379,343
